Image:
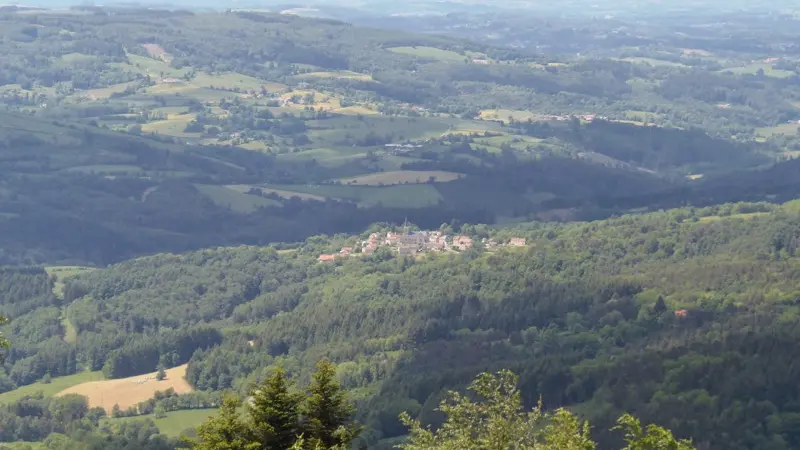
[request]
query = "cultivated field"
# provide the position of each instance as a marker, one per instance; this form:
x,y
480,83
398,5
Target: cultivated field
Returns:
x,y
652,61
397,196
402,177
57,385
175,423
752,69
344,74
127,392
789,129
429,53
233,199
243,188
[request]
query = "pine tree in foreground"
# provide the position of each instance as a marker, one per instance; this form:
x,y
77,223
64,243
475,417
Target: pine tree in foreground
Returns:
x,y
225,431
327,411
273,413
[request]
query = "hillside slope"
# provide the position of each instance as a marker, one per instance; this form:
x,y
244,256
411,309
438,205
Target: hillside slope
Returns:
x,y
683,317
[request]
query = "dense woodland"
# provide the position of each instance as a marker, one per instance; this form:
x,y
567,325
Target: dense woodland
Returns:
x,y
200,163
585,315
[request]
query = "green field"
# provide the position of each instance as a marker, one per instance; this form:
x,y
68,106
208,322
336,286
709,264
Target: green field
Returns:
x,y
652,61
236,201
398,196
342,74
23,446
149,66
233,80
106,169
174,126
507,114
401,177
789,129
429,53
752,69
57,385
175,422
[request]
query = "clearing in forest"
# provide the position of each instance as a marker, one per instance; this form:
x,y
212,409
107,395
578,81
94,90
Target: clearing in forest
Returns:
x,y
402,177
174,423
342,74
429,53
156,51
127,392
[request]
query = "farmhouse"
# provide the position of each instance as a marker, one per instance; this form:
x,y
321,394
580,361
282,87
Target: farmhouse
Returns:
x,y
517,242
462,243
346,251
326,258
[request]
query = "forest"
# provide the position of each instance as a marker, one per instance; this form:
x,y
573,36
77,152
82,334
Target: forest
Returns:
x,y
685,318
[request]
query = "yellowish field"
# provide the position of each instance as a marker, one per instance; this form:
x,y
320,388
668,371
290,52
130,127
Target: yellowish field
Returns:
x,y
127,392
709,219
344,74
156,51
256,146
402,177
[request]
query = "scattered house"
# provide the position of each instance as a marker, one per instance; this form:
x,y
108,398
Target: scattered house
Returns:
x,y
392,238
588,117
479,61
517,242
326,258
170,80
681,313
771,60
462,243
370,248
489,243
346,251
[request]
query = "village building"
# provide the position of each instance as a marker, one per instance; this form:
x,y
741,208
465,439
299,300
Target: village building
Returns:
x,y
346,251
326,258
406,250
517,242
462,243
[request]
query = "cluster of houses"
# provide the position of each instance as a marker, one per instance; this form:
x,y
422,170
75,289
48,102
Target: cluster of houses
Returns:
x,y
415,242
586,117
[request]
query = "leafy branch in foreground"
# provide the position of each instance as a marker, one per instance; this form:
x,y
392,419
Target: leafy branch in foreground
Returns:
x,y
500,422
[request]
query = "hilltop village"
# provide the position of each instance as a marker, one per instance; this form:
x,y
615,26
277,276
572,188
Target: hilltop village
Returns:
x,y
417,242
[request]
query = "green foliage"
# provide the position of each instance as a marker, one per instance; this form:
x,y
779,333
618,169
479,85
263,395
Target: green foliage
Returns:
x,y
327,411
226,431
273,412
498,420
280,418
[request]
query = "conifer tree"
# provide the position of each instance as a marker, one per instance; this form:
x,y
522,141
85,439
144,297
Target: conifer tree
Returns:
x,y
225,431
274,413
327,412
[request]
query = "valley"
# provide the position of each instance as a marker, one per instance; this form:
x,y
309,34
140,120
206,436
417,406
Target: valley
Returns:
x,y
191,199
